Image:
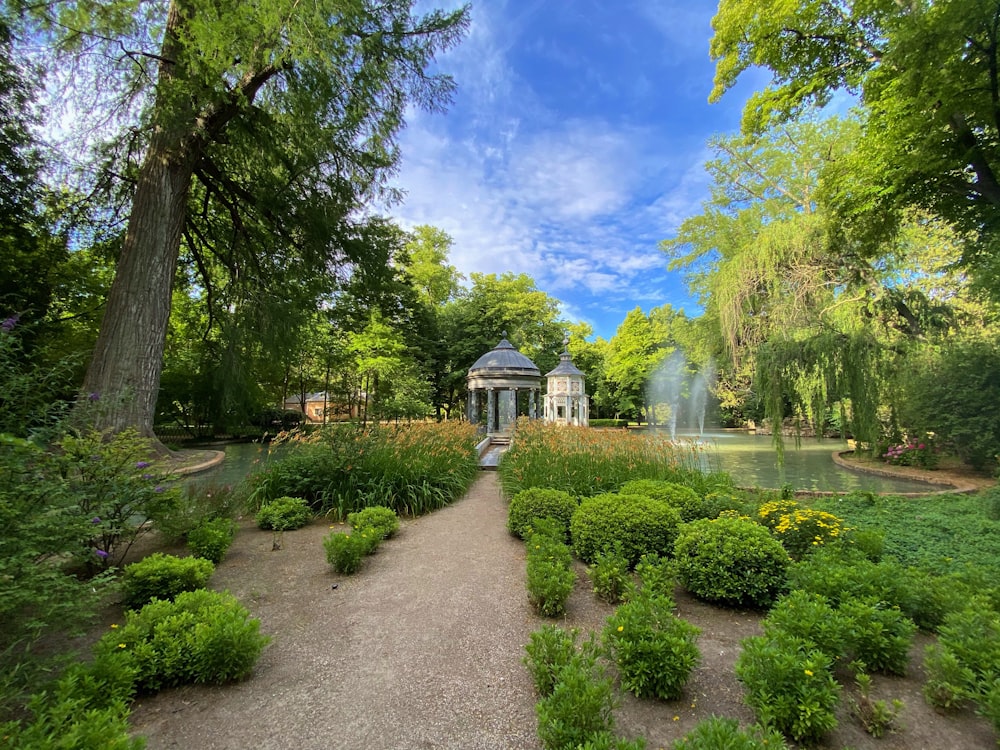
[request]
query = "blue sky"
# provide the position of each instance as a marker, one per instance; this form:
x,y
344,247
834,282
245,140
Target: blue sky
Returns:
x,y
575,143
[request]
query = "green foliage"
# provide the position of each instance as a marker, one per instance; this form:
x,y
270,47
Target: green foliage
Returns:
x,y
550,578
789,685
412,469
681,497
964,665
579,708
210,539
586,462
876,716
346,551
199,637
538,502
603,423
117,487
717,732
608,741
639,525
284,514
800,530
657,576
732,561
655,651
87,707
161,576
842,575
549,649
878,636
958,409
39,529
610,576
198,504
942,533
810,618
376,520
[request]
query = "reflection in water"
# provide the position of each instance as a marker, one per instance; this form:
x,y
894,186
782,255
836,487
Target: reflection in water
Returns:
x,y
750,459
753,462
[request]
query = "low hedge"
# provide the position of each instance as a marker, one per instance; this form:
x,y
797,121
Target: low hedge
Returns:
x,y
731,560
161,576
528,505
636,524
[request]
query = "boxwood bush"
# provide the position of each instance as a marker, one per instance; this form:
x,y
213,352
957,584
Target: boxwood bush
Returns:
x,y
538,502
284,514
680,496
640,525
550,577
732,561
162,576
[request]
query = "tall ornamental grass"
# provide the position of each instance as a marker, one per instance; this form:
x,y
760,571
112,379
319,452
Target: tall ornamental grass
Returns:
x,y
584,462
341,469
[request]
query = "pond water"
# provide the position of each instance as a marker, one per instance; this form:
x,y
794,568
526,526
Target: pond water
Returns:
x,y
750,459
753,462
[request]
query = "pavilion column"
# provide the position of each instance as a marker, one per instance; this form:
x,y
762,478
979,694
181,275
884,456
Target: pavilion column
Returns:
x,y
491,401
512,407
474,406
532,407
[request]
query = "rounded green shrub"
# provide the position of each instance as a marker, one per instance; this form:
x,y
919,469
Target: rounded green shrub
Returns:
x,y
638,524
200,637
879,636
211,539
732,561
161,576
680,496
284,514
377,519
811,618
718,732
528,505
345,551
789,685
655,651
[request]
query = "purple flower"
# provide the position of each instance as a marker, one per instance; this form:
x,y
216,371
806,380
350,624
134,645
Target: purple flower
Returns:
x,y
95,396
141,464
8,325
157,489
147,476
101,554
95,520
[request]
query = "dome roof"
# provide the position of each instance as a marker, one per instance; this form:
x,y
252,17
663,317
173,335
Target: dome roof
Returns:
x,y
504,359
565,366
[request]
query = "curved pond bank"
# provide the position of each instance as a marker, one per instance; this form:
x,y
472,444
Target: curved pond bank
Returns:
x,y
815,467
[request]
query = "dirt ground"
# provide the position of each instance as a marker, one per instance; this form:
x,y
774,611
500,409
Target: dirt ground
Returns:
x,y
423,647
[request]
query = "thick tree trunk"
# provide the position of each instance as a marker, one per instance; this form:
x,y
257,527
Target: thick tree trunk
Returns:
x,y
124,373
123,379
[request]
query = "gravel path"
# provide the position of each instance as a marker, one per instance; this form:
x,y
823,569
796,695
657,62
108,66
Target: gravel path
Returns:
x,y
420,649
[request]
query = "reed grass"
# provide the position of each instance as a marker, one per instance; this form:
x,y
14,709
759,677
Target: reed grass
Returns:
x,y
413,468
584,461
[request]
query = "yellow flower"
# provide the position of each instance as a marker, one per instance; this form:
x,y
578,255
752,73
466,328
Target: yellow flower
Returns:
x,y
121,645
621,628
114,626
809,672
677,718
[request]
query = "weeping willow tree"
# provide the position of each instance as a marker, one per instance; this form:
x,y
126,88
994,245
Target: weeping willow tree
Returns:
x,y
811,319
